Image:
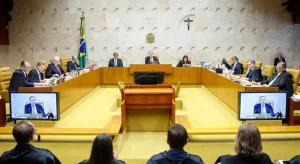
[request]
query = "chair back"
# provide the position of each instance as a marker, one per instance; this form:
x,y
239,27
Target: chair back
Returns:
x,y
296,76
157,56
229,62
177,89
63,63
268,70
5,76
121,86
245,66
258,64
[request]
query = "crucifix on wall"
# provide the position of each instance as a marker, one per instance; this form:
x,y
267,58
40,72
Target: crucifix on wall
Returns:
x,y
188,22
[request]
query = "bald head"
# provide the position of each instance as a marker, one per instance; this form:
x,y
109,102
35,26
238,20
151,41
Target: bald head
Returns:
x,y
23,132
279,54
56,60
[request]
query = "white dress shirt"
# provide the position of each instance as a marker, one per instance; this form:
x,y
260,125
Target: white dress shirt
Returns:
x,y
34,111
263,109
274,79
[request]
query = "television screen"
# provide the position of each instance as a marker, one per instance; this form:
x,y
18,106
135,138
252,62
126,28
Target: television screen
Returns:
x,y
34,105
263,105
152,77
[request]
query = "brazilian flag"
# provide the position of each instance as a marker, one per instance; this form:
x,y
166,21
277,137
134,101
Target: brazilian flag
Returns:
x,y
82,50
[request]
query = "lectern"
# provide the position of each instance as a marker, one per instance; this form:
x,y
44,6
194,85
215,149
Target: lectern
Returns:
x,y
148,108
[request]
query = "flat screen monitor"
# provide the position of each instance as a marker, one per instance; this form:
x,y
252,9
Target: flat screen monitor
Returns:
x,y
147,78
263,105
34,106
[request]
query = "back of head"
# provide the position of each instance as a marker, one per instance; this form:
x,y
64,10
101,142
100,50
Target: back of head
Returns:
x,y
102,150
248,140
177,136
23,132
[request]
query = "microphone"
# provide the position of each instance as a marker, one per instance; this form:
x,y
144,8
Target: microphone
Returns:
x,y
140,77
211,66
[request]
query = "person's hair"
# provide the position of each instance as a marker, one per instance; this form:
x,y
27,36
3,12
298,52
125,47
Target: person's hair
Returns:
x,y
251,61
23,132
23,63
40,64
248,140
282,64
185,56
115,54
177,136
234,57
262,97
102,150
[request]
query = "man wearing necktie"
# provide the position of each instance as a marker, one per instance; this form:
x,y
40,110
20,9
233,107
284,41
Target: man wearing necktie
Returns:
x,y
54,69
262,107
151,59
33,108
278,59
281,79
72,65
236,67
36,75
115,61
254,73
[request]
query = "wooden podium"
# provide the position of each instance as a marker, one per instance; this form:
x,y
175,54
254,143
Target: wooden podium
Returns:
x,y
147,108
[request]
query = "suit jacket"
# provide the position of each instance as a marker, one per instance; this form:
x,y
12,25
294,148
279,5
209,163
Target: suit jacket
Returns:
x,y
238,69
33,76
181,63
39,109
175,156
276,61
111,63
114,162
147,60
238,159
51,70
28,154
19,79
72,66
257,109
283,81
255,75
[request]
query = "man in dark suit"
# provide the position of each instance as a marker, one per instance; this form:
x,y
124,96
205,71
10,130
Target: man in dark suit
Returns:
x,y
54,69
34,108
72,65
151,59
254,73
36,75
262,107
281,79
278,59
25,152
20,78
115,62
236,67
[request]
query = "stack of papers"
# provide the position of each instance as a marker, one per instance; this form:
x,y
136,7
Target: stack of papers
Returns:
x,y
296,98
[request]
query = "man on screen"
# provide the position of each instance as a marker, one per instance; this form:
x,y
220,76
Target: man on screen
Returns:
x,y
262,107
34,108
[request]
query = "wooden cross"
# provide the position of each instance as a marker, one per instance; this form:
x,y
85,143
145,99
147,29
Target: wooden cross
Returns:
x,y
188,21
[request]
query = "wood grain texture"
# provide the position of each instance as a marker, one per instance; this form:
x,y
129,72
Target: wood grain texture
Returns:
x,y
111,75
187,75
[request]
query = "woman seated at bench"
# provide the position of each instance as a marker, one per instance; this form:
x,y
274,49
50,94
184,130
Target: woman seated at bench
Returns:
x,y
248,148
102,151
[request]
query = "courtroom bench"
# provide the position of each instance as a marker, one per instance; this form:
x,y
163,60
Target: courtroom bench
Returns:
x,y
112,128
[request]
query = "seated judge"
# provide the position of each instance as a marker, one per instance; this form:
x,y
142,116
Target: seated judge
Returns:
x,y
281,79
184,61
33,108
262,107
36,75
248,150
115,62
236,67
151,59
254,73
72,65
54,69
20,78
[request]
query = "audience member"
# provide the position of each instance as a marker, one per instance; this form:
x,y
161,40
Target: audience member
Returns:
x,y
102,151
294,160
177,139
25,152
248,148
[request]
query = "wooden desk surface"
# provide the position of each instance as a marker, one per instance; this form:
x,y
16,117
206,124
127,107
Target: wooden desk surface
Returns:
x,y
148,91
